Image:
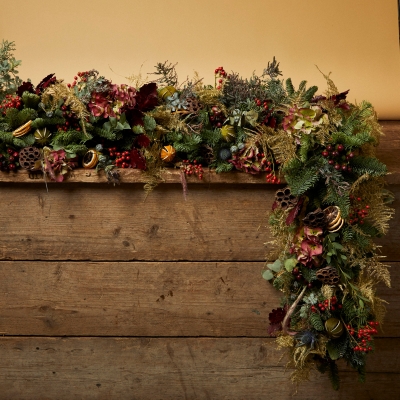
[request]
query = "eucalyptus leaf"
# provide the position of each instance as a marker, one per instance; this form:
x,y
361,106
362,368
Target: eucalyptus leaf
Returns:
x,y
267,274
290,263
276,266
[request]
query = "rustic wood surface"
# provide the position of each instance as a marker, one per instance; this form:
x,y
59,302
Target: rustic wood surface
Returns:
x,y
387,153
176,368
97,222
146,299
159,298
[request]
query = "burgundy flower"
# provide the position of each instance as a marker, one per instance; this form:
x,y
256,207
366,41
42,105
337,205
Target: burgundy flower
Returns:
x,y
276,318
45,83
137,160
142,141
25,87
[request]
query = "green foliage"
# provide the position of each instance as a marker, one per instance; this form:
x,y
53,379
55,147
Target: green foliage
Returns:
x,y
43,122
211,137
333,373
337,348
104,133
24,141
353,141
15,118
75,149
306,144
316,322
62,139
30,100
222,166
9,80
301,176
368,165
184,143
6,138
149,123
349,309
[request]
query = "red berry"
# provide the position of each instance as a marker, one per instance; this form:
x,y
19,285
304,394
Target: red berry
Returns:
x,y
337,167
340,147
325,154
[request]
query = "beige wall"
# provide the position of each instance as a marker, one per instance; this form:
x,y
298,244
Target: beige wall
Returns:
x,y
355,39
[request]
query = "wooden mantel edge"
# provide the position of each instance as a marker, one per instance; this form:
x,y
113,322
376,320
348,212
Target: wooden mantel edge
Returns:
x,y
387,152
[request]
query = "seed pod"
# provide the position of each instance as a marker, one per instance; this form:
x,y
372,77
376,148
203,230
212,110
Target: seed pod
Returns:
x,y
90,159
315,219
168,153
334,327
285,199
42,136
328,275
29,158
228,133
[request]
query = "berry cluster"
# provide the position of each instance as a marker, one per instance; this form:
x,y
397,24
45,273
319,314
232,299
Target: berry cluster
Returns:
x,y
299,277
71,122
81,75
338,158
327,304
220,75
190,169
9,163
10,101
261,103
358,213
123,159
217,117
364,336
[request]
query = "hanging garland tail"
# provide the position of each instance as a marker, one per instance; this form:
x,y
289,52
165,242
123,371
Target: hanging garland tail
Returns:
x,y
323,222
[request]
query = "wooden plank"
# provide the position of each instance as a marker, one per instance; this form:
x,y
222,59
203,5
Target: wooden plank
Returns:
x,y
387,152
98,222
197,368
146,299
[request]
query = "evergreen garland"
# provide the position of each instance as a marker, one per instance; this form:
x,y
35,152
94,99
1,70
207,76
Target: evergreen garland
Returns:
x,y
323,223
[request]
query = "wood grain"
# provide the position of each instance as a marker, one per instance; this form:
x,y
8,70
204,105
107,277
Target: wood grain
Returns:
x,y
98,222
146,299
387,153
176,368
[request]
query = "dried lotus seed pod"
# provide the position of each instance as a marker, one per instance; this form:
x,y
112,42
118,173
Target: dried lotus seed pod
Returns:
x,y
193,105
328,275
285,199
315,219
334,327
29,158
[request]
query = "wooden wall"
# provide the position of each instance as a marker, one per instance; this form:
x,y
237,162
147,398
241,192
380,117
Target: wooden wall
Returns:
x,y
106,295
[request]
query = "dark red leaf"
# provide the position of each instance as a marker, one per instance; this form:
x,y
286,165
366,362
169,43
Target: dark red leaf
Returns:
x,y
45,82
294,211
142,141
134,116
147,97
25,87
274,205
137,160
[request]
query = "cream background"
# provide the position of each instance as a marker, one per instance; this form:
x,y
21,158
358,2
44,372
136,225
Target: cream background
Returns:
x,y
355,39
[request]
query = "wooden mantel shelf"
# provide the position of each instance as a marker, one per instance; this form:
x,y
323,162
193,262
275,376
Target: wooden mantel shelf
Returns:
x,y
388,152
